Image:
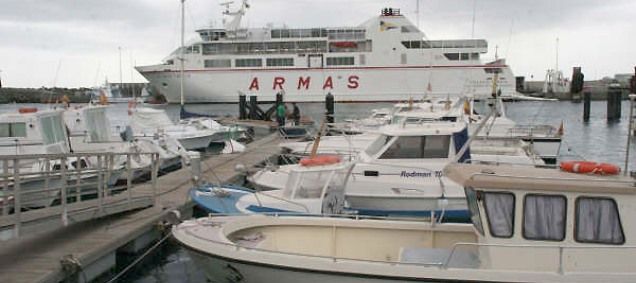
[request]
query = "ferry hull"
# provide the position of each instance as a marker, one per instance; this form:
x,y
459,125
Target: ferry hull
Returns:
x,y
359,84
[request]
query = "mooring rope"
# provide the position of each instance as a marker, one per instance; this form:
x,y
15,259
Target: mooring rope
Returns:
x,y
141,257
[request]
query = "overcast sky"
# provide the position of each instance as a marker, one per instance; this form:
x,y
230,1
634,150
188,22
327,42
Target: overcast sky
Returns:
x,y
80,38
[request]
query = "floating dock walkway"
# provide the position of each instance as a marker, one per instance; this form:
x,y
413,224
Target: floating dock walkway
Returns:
x,y
82,251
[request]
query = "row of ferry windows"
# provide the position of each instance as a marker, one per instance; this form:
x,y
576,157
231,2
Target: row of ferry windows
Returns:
x,y
544,217
461,56
316,32
460,43
271,62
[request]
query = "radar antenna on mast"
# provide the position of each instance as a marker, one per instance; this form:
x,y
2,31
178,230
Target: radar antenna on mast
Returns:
x,y
227,6
234,23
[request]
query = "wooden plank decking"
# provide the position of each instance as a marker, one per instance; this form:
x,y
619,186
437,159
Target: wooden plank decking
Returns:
x,y
37,258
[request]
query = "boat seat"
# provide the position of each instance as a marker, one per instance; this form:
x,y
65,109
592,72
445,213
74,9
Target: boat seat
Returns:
x,y
460,259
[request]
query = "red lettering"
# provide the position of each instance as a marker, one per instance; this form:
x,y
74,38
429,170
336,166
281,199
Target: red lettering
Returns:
x,y
303,82
254,84
328,83
278,81
353,82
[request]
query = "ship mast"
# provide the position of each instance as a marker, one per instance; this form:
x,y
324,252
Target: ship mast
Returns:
x,y
181,59
234,24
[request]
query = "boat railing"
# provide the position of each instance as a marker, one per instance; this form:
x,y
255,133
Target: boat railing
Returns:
x,y
533,131
258,195
492,162
52,190
555,259
626,181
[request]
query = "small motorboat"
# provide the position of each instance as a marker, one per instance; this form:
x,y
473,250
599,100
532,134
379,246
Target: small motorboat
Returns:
x,y
528,225
310,189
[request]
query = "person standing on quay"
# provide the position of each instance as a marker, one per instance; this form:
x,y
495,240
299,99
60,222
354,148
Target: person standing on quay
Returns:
x,y
296,114
280,113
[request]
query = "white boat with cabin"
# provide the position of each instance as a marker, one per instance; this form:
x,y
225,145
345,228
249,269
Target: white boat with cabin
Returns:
x,y
308,190
386,58
90,131
400,172
31,132
528,225
148,122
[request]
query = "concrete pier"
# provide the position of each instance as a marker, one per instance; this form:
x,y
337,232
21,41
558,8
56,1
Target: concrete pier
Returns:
x,y
94,244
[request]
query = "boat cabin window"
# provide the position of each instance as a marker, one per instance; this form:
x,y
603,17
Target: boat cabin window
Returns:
x,y
12,130
597,221
500,210
256,62
192,49
339,61
418,147
544,217
473,208
277,62
217,63
97,126
52,130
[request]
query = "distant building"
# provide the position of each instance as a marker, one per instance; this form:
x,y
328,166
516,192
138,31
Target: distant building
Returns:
x,y
623,79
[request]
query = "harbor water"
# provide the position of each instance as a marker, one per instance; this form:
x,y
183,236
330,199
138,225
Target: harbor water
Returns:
x,y
596,140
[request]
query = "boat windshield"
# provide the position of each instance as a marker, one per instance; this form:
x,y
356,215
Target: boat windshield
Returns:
x,y
97,124
408,147
377,145
473,207
52,130
306,185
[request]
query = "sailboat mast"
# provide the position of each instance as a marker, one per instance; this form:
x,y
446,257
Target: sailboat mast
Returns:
x,y
417,12
556,66
121,80
182,47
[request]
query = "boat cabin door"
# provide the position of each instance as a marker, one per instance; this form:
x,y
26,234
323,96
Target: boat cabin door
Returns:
x,y
314,60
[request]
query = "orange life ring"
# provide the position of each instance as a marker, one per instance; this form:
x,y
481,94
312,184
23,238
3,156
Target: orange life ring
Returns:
x,y
23,110
586,167
319,160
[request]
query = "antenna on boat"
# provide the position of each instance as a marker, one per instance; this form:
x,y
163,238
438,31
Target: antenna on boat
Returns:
x,y
417,13
181,55
556,66
121,80
234,24
472,33
630,128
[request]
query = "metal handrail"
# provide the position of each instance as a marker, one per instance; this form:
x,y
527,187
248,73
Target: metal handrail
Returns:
x,y
476,174
63,177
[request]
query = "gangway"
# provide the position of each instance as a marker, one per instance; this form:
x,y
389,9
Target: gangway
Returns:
x,y
43,192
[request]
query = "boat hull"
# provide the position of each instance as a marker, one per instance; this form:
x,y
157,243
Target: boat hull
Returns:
x,y
220,269
198,142
357,84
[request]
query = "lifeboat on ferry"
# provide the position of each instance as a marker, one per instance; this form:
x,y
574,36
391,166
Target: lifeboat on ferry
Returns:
x,y
344,44
587,167
23,110
319,160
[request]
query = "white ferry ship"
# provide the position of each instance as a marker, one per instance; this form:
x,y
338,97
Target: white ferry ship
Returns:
x,y
384,59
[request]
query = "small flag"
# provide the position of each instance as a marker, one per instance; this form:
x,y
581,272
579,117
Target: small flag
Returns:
x,y
429,88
